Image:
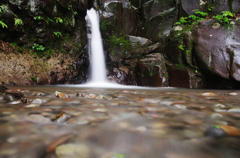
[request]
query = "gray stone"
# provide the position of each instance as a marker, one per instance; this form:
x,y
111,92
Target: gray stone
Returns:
x,y
38,118
8,98
73,151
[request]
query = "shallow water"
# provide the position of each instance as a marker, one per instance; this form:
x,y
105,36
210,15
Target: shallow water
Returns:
x,y
112,123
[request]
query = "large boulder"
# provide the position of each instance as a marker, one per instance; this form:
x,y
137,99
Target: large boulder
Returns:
x,y
156,71
160,25
217,49
153,71
117,17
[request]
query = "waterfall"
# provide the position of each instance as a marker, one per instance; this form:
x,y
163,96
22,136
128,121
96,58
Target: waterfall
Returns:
x,y
98,70
96,54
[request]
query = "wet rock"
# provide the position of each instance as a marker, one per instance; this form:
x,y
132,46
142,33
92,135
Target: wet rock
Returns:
x,y
208,55
61,80
62,118
160,25
233,94
215,132
60,94
3,88
209,94
140,40
181,76
12,83
16,102
237,110
37,101
216,116
230,130
38,118
119,14
24,100
91,96
58,141
42,80
33,105
52,78
73,151
8,98
152,70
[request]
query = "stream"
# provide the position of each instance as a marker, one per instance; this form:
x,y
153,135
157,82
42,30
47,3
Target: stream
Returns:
x,y
114,123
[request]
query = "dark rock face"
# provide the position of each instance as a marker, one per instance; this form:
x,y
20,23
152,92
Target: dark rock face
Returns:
x,y
217,50
153,71
117,17
160,25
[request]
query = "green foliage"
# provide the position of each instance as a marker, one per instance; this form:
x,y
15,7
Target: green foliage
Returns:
x,y
122,41
211,9
38,47
38,18
75,13
67,20
227,13
34,78
224,17
58,34
199,15
3,24
196,71
70,7
104,24
48,20
183,20
203,14
18,22
181,47
2,10
58,20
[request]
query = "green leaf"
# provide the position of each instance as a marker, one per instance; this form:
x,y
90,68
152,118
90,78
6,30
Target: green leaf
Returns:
x,y
58,20
18,22
38,18
217,127
58,34
3,24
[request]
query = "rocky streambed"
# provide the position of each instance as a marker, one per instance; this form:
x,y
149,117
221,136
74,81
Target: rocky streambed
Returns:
x,y
67,122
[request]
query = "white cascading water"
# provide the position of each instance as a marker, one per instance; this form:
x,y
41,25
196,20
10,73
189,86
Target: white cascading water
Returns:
x,y
98,70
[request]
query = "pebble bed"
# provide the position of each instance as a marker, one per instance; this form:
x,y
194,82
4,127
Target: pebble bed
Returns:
x,y
62,122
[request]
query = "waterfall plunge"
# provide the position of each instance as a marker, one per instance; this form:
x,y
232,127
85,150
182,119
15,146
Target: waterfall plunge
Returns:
x,y
98,70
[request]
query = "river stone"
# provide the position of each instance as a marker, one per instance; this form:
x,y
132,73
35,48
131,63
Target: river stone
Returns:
x,y
37,101
38,118
215,132
237,110
8,98
73,151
